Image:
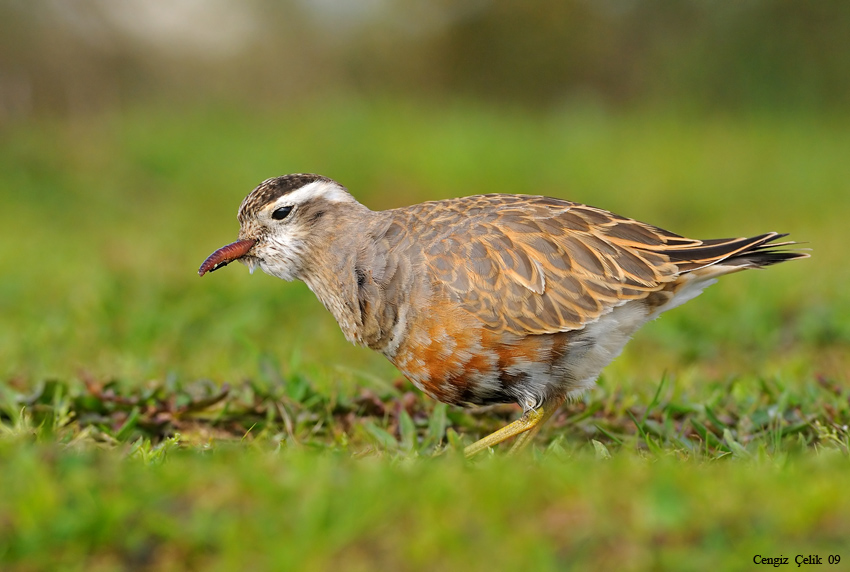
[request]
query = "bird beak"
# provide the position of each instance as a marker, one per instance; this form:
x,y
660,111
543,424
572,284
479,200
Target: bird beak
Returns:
x,y
226,254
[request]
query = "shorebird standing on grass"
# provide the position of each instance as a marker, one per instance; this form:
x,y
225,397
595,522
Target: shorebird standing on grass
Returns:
x,y
483,299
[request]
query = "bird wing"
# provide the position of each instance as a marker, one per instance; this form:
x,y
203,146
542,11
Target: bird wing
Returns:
x,y
537,265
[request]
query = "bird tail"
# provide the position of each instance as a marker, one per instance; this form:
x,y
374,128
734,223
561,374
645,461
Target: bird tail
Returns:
x,y
735,253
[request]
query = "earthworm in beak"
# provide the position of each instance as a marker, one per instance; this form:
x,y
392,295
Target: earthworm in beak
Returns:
x,y
226,254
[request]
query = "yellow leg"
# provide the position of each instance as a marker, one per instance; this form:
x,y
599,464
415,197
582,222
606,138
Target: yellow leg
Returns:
x,y
549,408
526,426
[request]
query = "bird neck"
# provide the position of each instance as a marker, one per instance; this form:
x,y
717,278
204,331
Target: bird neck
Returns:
x,y
364,280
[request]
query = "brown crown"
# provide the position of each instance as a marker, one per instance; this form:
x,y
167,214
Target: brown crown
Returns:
x,y
272,189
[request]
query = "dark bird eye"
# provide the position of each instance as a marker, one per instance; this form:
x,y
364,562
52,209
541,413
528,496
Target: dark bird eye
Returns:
x,y
281,213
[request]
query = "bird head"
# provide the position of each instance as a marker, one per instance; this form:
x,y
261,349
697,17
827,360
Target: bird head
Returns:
x,y
282,222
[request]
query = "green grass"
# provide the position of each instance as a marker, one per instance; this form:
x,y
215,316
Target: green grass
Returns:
x,y
152,420
236,508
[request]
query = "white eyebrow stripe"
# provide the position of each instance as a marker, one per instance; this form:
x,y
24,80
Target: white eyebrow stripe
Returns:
x,y
327,190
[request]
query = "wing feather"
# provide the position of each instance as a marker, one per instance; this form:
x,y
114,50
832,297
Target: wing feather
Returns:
x,y
537,265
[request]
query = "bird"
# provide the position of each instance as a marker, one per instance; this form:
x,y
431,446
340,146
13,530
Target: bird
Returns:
x,y
484,299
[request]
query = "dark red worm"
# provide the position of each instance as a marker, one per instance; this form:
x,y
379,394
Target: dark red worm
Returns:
x,y
226,254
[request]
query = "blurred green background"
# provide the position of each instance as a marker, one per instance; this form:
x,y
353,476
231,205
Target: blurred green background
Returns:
x,y
130,132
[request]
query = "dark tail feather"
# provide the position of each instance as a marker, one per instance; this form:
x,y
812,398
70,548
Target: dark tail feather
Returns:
x,y
767,254
755,252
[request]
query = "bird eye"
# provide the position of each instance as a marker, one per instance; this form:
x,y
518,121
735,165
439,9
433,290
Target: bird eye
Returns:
x,y
281,213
